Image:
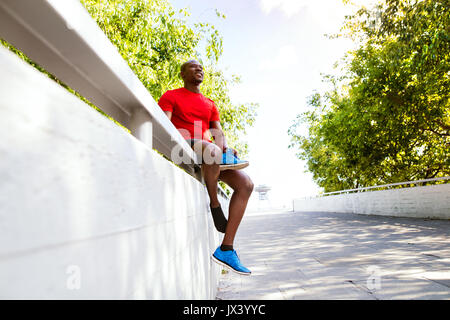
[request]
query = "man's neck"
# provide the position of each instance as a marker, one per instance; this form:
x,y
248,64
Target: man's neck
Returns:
x,y
192,87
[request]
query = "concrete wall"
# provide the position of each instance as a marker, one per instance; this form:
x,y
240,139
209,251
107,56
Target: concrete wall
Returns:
x,y
86,210
417,202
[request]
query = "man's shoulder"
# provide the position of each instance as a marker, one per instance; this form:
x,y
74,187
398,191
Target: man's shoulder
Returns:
x,y
182,93
171,96
209,100
173,92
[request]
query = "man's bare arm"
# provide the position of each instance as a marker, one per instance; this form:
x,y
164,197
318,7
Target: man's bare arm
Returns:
x,y
168,114
217,133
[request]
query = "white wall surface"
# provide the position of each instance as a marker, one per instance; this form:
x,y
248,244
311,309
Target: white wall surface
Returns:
x,y
86,210
416,202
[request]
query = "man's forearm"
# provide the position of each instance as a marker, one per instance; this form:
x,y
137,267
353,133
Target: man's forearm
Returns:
x,y
219,140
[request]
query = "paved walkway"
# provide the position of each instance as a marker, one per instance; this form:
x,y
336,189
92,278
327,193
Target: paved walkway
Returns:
x,y
340,256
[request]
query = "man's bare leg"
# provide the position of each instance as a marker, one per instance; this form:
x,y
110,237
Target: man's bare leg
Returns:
x,y
238,180
210,171
242,185
211,175
211,155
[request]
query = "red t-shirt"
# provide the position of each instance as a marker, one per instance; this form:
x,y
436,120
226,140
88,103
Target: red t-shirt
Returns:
x,y
191,112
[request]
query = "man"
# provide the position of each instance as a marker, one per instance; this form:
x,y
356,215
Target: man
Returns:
x,y
197,119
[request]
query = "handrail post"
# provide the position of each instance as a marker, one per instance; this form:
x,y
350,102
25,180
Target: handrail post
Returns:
x,y
141,126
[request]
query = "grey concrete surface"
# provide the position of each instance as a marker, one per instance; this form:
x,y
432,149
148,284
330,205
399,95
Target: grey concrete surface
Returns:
x,y
323,256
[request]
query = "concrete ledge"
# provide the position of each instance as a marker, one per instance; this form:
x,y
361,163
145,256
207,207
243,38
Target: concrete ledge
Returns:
x,y
86,210
415,202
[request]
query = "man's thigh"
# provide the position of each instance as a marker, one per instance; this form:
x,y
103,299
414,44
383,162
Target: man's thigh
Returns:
x,y
208,152
193,142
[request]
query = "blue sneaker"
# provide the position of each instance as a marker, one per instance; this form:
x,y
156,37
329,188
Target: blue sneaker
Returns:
x,y
231,162
230,259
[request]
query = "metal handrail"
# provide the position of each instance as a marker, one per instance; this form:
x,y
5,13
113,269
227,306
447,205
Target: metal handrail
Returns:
x,y
384,186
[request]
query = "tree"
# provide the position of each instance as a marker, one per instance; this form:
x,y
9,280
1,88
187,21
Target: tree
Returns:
x,y
155,40
387,118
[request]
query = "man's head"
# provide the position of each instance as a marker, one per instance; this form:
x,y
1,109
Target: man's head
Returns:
x,y
192,72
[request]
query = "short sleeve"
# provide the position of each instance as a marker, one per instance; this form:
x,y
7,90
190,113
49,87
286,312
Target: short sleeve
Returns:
x,y
214,113
166,102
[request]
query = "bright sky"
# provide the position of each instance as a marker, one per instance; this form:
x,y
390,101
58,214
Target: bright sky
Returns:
x,y
279,49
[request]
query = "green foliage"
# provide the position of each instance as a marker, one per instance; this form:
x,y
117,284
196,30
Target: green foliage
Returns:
x,y
155,40
387,118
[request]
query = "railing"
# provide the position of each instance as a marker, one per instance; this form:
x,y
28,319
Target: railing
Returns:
x,y
62,38
385,186
429,201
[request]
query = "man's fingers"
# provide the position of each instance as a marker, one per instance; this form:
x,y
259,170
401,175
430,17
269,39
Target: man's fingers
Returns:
x,y
232,149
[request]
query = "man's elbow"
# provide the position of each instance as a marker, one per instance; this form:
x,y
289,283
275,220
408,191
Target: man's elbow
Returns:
x,y
168,114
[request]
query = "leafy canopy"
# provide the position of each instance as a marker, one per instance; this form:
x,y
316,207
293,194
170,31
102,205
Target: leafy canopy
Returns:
x,y
387,117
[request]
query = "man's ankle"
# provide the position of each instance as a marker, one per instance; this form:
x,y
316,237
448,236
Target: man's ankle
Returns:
x,y
226,247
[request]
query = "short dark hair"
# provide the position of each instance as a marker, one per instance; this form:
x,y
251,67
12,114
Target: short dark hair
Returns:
x,y
183,66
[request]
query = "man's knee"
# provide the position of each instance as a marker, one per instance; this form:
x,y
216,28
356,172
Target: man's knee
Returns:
x,y
213,150
248,186
211,154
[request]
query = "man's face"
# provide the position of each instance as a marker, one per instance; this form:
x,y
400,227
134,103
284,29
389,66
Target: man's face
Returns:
x,y
193,72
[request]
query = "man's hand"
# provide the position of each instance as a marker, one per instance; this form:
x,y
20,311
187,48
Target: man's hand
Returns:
x,y
232,149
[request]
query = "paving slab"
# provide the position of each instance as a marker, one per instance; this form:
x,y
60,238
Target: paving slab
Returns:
x,y
334,256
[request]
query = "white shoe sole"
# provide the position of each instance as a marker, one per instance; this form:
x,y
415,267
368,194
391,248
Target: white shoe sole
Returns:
x,y
236,166
229,267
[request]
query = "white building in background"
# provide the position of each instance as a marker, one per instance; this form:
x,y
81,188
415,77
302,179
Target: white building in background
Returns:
x,y
262,191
